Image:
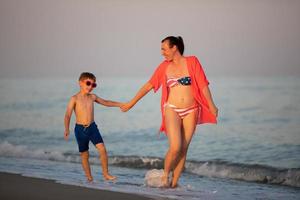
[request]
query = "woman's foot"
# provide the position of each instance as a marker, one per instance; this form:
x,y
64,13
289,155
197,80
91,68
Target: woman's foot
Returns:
x,y
109,177
165,181
173,184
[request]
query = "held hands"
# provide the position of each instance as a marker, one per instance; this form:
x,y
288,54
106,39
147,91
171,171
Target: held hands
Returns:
x,y
126,106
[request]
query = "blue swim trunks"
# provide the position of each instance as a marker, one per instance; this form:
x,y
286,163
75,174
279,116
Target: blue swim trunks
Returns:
x,y
85,134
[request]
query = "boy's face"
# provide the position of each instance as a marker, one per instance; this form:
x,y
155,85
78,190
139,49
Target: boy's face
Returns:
x,y
87,85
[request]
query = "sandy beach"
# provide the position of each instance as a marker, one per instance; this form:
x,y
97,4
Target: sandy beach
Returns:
x,y
14,186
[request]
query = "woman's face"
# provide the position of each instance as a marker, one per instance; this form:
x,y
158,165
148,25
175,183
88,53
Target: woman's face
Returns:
x,y
166,51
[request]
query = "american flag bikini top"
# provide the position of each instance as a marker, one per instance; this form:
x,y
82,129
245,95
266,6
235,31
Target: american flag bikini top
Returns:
x,y
171,82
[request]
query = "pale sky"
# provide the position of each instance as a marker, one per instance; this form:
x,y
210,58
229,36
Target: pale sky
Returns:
x,y
61,38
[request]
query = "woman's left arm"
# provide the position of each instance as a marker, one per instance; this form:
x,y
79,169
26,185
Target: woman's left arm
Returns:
x,y
203,83
212,107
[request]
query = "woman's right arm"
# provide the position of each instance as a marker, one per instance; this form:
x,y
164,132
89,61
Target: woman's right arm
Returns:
x,y
142,92
153,83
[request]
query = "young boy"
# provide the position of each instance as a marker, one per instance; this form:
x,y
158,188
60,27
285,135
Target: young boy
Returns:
x,y
86,129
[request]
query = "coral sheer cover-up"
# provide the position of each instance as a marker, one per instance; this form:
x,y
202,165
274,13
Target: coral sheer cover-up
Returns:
x,y
199,81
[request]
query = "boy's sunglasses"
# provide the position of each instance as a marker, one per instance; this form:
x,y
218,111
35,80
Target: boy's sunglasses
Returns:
x,y
88,83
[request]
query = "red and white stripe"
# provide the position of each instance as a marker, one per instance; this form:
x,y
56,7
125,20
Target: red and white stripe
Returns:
x,y
182,112
171,82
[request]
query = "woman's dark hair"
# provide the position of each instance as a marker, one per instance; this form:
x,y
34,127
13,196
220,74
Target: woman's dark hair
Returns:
x,y
177,41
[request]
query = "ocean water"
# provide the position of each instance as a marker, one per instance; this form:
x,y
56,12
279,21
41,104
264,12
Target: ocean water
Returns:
x,y
253,152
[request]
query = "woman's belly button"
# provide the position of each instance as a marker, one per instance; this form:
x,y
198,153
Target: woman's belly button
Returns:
x,y
182,96
181,101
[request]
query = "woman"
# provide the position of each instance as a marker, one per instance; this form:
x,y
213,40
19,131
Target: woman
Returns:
x,y
186,101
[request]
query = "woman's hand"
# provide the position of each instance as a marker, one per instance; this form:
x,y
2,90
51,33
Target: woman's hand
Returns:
x,y
214,110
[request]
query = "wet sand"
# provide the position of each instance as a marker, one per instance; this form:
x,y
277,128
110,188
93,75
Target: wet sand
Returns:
x,y
14,186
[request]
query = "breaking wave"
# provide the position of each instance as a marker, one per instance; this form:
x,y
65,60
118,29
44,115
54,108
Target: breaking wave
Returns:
x,y
214,168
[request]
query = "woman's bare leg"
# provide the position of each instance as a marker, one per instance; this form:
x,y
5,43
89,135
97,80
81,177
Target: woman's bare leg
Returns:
x,y
173,126
189,125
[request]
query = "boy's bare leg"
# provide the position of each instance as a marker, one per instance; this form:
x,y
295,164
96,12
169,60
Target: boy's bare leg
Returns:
x,y
86,165
104,162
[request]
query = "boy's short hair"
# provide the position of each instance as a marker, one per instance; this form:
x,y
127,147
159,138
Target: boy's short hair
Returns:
x,y
87,75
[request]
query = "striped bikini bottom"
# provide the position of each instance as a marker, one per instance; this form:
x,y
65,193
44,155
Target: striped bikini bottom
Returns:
x,y
182,112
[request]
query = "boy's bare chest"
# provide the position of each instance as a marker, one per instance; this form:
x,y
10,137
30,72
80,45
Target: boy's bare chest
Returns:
x,y
84,104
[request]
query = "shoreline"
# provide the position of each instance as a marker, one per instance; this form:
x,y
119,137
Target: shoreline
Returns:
x,y
16,186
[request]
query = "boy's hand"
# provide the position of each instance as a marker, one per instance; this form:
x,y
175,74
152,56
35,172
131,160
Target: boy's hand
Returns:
x,y
66,134
125,107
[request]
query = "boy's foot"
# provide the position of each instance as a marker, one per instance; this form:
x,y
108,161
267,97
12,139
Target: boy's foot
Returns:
x,y
89,179
109,177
